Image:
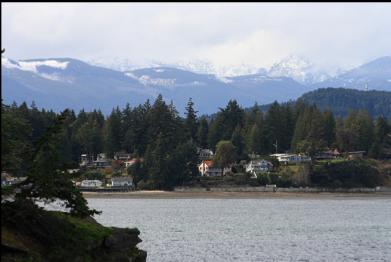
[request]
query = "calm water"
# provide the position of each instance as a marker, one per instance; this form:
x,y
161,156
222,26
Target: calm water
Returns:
x,y
255,229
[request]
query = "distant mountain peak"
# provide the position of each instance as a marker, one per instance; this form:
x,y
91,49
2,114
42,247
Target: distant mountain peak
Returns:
x,y
298,68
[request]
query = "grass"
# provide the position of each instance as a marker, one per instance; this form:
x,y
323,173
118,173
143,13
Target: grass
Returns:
x,y
85,227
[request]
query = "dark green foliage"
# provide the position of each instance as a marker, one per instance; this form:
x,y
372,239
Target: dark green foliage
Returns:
x,y
167,143
356,133
56,236
225,154
202,134
15,140
237,140
278,127
191,123
47,179
310,134
349,174
225,122
138,171
341,100
113,133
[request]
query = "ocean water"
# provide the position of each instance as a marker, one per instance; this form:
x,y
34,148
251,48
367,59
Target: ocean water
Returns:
x,y
277,229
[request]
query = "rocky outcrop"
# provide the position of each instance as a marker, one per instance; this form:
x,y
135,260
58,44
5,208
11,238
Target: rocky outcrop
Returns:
x,y
121,246
32,234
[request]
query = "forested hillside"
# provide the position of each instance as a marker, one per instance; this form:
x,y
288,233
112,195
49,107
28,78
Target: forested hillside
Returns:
x,y
342,100
168,143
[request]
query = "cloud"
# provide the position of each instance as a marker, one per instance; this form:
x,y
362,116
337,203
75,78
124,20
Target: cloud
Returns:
x,y
225,34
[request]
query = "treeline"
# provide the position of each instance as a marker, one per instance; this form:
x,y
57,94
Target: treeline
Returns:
x,y
167,142
343,100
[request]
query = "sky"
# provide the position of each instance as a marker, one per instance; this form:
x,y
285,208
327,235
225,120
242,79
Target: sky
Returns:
x,y
224,34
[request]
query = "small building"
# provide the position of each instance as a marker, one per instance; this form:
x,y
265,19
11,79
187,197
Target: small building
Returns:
x,y
205,154
122,156
101,161
355,155
122,181
86,160
73,171
291,158
8,180
206,168
91,183
329,154
255,167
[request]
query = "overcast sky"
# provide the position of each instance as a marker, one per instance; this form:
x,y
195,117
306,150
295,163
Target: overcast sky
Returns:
x,y
229,34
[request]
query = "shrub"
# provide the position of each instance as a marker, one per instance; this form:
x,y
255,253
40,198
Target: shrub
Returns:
x,y
357,173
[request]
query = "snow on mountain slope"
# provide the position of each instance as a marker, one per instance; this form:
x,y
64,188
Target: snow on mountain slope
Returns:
x,y
372,75
298,68
56,83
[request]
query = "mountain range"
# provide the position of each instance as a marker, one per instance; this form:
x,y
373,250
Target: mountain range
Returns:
x,y
58,83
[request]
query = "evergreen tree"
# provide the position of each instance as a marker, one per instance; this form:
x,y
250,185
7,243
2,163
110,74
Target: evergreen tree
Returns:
x,y
255,143
274,129
238,142
202,134
191,123
225,154
329,128
379,145
309,135
113,133
15,140
47,178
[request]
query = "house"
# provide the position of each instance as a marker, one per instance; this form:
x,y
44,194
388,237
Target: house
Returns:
x,y
258,166
73,171
122,156
291,158
101,161
86,160
206,168
122,181
355,155
8,180
91,183
205,154
329,154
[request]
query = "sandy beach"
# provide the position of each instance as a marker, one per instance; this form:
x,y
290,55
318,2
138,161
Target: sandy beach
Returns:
x,y
229,195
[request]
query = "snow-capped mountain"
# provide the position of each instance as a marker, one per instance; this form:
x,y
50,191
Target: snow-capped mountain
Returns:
x,y
207,67
375,75
299,69
58,83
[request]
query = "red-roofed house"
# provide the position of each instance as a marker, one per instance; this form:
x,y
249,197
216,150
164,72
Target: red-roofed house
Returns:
x,y
206,168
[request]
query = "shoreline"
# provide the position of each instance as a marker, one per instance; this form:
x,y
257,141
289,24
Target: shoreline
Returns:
x,y
230,195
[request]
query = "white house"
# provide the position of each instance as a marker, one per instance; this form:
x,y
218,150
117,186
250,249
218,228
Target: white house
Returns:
x,y
91,183
291,158
258,166
101,161
122,156
205,154
206,168
122,181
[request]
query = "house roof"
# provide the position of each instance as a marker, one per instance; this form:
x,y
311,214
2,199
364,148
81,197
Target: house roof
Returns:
x,y
259,161
209,163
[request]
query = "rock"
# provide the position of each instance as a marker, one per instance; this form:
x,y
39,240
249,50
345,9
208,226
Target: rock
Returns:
x,y
122,238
